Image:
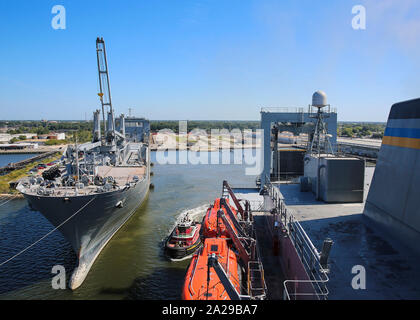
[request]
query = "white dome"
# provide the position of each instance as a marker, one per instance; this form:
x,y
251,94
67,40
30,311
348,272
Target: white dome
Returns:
x,y
319,99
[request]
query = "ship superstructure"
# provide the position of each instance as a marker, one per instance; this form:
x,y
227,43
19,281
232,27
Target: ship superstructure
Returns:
x,y
342,228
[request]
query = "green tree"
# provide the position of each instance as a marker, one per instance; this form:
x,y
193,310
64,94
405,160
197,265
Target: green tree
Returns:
x,y
348,132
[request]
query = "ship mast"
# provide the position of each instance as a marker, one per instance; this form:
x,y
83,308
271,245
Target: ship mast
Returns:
x,y
77,160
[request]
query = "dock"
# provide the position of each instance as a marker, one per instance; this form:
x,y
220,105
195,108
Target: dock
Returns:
x,y
23,163
367,148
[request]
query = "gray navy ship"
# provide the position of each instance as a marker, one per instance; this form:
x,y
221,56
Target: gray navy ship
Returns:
x,y
97,185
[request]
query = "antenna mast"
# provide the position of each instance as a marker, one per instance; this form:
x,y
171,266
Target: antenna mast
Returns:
x,y
320,135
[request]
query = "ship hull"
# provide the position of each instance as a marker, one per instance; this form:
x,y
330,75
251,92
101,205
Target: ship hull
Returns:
x,y
89,229
182,252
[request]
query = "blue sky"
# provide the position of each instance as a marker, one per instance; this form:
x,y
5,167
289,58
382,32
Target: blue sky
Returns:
x,y
208,59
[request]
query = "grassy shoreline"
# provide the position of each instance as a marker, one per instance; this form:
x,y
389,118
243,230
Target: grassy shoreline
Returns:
x,y
20,173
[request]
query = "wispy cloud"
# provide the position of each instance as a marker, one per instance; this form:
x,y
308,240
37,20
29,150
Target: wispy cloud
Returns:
x,y
397,19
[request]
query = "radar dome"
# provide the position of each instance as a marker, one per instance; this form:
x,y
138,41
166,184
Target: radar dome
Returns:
x,y
319,99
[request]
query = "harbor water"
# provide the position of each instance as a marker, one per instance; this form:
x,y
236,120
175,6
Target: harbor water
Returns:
x,y
5,159
133,264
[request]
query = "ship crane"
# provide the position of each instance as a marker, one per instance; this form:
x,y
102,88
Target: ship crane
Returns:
x,y
110,133
244,241
226,192
214,263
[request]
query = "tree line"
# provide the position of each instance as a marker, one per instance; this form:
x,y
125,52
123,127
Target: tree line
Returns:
x,y
357,129
84,128
43,127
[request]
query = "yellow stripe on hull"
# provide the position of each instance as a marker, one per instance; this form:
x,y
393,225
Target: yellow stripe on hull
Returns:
x,y
411,143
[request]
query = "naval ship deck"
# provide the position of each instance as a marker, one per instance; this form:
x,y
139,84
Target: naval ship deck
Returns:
x,y
122,175
391,268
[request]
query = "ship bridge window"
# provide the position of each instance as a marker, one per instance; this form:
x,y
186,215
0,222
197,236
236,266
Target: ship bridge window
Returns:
x,y
133,124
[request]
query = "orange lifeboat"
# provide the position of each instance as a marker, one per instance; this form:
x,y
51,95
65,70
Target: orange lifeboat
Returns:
x,y
221,268
202,282
214,226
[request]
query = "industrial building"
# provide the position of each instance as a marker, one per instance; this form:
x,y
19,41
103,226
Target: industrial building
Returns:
x,y
18,146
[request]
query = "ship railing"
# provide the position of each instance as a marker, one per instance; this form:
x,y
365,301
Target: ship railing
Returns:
x,y
61,191
71,190
256,282
289,295
316,286
256,205
283,110
292,110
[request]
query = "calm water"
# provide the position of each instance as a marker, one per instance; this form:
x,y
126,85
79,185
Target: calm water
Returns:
x,y
132,265
5,159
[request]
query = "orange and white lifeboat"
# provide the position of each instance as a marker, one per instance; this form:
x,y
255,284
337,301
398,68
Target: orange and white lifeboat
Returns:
x,y
202,282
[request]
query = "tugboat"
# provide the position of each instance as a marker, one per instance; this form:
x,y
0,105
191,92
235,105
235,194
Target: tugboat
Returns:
x,y
185,239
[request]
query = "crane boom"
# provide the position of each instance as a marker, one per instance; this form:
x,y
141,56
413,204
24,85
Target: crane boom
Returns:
x,y
104,86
